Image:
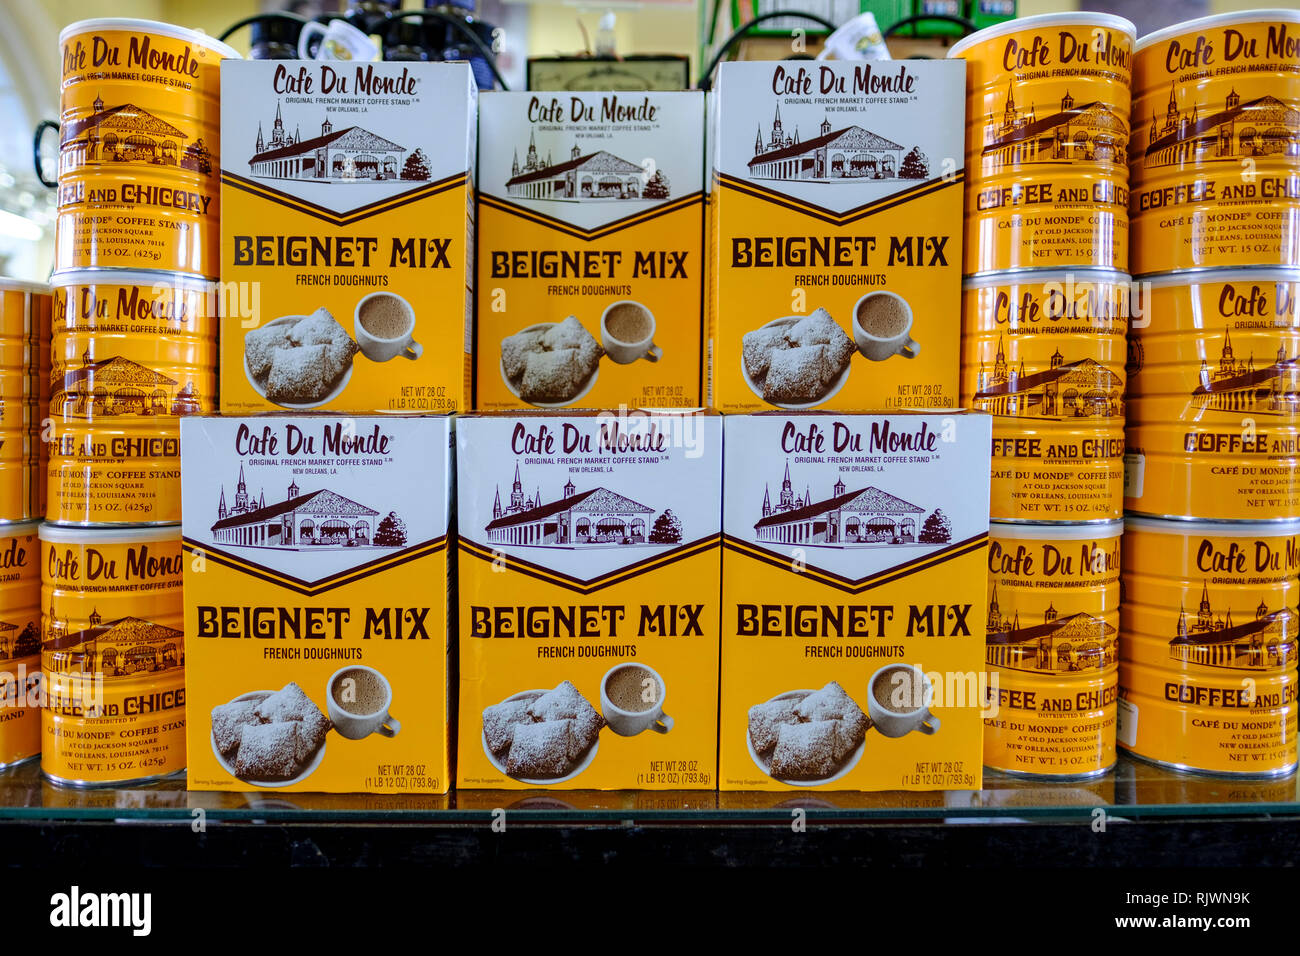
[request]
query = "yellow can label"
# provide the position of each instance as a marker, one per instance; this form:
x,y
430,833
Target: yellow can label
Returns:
x,y
1051,648
112,654
837,235
853,602
20,643
1215,178
131,355
590,238
1072,219
1048,92
24,393
1208,644
347,236
1214,397
138,152
1044,354
588,581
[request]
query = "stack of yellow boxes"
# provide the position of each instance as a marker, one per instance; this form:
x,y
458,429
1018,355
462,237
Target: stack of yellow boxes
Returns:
x,y
134,344
1045,311
24,395
1208,663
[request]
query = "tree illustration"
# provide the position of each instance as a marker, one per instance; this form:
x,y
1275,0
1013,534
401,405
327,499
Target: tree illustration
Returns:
x,y
416,166
391,531
937,528
29,641
657,187
667,529
916,165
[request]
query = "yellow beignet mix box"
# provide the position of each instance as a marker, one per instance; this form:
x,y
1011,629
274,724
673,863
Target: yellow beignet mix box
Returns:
x,y
853,601
316,602
588,579
591,250
837,234
347,236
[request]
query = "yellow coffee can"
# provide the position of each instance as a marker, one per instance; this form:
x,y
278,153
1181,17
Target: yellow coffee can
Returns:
x,y
1208,645
1214,161
133,353
20,643
1214,396
112,655
1043,351
1051,652
1047,135
24,378
139,156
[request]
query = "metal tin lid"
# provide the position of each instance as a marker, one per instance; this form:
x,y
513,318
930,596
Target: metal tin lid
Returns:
x,y
1042,20
984,280
1057,532
1219,19
127,24
1162,280
1224,529
22,285
147,277
65,534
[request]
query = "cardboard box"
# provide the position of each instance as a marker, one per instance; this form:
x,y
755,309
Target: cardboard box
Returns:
x,y
588,579
853,601
316,596
591,207
347,187
837,239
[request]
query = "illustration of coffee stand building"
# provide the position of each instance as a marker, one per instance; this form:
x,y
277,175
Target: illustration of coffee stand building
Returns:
x,y
1072,643
128,134
598,175
1266,642
1076,132
312,520
1082,389
867,516
128,645
351,153
848,153
1260,127
1237,386
117,386
578,519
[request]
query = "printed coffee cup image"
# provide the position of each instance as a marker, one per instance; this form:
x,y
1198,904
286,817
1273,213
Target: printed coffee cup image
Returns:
x,y
627,331
882,321
898,700
358,698
632,700
384,325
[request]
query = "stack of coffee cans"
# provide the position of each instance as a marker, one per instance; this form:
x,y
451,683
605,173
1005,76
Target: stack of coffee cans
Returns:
x,y
24,400
134,349
1208,664
1045,311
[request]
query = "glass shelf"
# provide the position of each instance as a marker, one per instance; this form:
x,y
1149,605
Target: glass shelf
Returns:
x,y
1134,790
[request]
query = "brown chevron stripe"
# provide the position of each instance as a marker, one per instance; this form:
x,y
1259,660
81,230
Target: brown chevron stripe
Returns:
x,y
617,576
826,215
298,585
858,585
600,231
342,219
